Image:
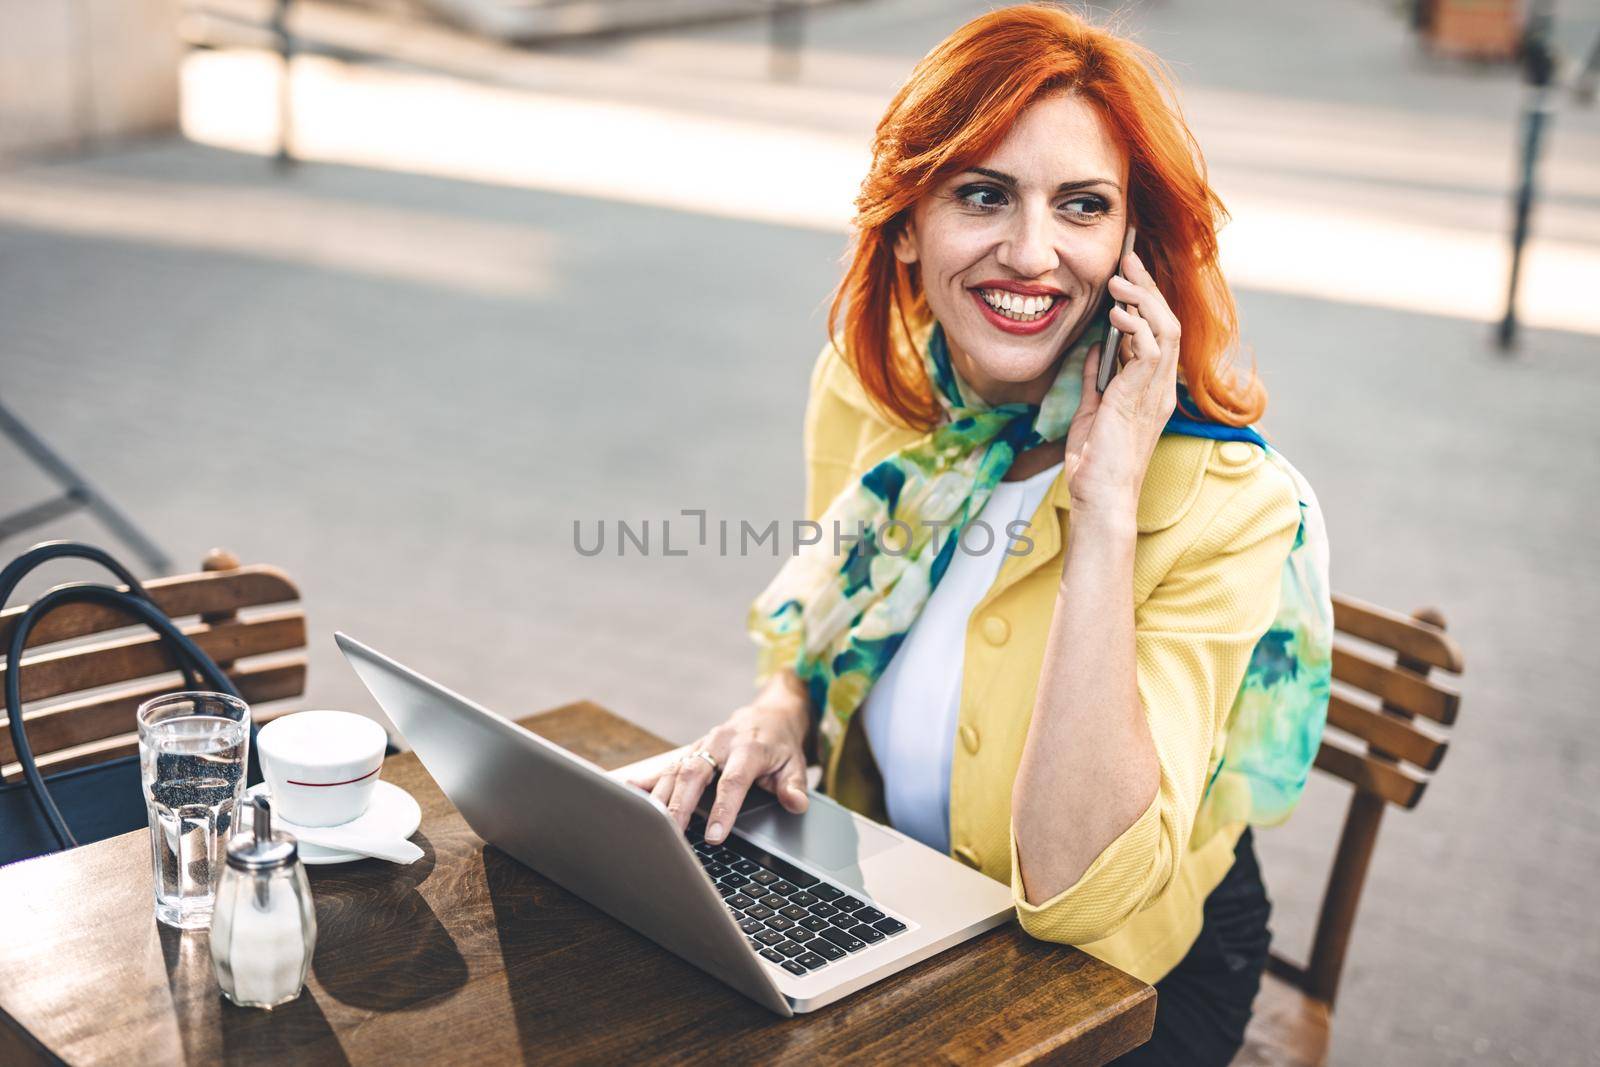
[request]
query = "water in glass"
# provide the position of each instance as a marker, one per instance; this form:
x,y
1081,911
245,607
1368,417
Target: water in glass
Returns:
x,y
192,753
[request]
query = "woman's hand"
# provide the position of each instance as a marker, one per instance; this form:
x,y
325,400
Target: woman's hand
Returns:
x,y
762,743
1113,435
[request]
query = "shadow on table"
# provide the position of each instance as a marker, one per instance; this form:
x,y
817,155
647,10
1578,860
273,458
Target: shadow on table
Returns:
x,y
578,978
541,935
380,946
213,1030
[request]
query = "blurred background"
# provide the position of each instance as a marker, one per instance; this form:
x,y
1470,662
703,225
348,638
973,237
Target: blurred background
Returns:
x,y
514,270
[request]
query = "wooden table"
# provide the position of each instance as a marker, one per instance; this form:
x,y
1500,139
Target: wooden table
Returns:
x,y
466,956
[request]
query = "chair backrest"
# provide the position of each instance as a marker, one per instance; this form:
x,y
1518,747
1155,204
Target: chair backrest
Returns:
x,y
81,681
1384,686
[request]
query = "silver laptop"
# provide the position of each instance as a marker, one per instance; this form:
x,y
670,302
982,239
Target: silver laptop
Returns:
x,y
793,911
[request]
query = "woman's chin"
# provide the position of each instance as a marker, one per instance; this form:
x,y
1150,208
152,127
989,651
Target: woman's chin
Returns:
x,y
1014,361
1015,375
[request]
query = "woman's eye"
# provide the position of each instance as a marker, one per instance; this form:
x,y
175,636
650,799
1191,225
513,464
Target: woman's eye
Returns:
x,y
981,196
989,197
1085,206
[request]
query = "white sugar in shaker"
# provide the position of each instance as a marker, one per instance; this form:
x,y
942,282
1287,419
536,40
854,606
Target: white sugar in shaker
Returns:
x,y
263,927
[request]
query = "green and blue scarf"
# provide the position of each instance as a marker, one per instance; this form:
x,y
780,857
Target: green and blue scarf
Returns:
x,y
838,616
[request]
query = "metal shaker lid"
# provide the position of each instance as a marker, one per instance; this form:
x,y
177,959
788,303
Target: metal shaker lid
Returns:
x,y
260,848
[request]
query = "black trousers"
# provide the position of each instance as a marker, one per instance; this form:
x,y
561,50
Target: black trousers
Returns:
x,y
1203,1004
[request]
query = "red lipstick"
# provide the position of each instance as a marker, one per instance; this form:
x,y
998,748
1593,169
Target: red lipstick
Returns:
x,y
1012,326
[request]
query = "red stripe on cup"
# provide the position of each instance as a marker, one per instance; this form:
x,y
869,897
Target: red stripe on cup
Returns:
x,y
348,781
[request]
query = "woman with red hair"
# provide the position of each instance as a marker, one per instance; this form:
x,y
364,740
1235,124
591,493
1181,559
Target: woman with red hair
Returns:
x,y
1052,706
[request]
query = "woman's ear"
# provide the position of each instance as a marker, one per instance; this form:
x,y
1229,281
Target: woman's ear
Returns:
x,y
905,243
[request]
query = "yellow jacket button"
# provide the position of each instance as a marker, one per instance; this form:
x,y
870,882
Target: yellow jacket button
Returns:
x,y
969,737
969,855
1236,453
996,630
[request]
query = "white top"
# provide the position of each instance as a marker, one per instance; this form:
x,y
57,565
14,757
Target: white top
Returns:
x,y
911,711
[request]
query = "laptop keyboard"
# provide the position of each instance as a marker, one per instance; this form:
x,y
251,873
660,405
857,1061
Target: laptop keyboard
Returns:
x,y
792,918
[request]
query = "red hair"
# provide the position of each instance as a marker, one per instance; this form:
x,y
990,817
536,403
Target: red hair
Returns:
x,y
955,109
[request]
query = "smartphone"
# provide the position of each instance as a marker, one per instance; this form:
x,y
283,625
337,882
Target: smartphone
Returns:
x,y
1108,354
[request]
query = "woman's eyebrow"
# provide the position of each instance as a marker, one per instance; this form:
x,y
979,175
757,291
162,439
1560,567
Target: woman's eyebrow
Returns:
x,y
1081,183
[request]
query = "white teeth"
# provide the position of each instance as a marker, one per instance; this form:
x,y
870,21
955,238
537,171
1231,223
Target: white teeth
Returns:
x,y
1015,306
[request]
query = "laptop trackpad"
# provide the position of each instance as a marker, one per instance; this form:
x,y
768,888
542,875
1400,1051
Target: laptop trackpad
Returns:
x,y
825,836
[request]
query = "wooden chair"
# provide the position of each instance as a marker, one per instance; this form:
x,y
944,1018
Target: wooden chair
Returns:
x,y
81,682
1383,684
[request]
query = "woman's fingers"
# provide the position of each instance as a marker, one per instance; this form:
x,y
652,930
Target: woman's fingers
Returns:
x,y
662,789
745,765
790,785
1153,373
1134,315
1139,341
746,751
1136,287
694,774
1145,301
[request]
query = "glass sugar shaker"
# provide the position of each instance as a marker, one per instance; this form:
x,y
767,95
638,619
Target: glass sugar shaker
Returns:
x,y
263,927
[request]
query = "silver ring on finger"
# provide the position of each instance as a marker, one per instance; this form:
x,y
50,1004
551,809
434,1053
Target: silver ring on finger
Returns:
x,y
708,757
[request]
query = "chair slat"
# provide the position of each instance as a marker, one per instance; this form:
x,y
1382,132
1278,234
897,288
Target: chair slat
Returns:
x,y
1404,634
110,714
50,674
1389,781
1402,688
106,749
1387,732
188,594
79,756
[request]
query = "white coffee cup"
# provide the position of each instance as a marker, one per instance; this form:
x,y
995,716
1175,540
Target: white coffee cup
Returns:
x,y
321,765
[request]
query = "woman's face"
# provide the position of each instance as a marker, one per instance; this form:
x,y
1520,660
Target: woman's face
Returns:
x,y
1015,251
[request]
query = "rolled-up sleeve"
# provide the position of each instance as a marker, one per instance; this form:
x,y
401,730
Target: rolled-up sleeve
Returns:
x,y
1194,636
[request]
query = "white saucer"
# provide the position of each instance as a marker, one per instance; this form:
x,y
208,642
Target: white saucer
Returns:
x,y
393,813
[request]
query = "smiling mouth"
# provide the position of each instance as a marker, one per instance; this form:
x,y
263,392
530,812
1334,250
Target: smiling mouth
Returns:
x,y
1020,314
1015,306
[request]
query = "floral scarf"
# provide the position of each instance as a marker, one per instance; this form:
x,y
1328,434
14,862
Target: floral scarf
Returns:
x,y
837,615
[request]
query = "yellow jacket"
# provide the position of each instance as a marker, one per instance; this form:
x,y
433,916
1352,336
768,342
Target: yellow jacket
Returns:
x,y
1215,524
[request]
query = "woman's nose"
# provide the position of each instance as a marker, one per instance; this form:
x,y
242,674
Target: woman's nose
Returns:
x,y
1029,249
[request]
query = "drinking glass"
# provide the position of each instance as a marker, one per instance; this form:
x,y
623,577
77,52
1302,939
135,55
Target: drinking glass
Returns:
x,y
192,752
